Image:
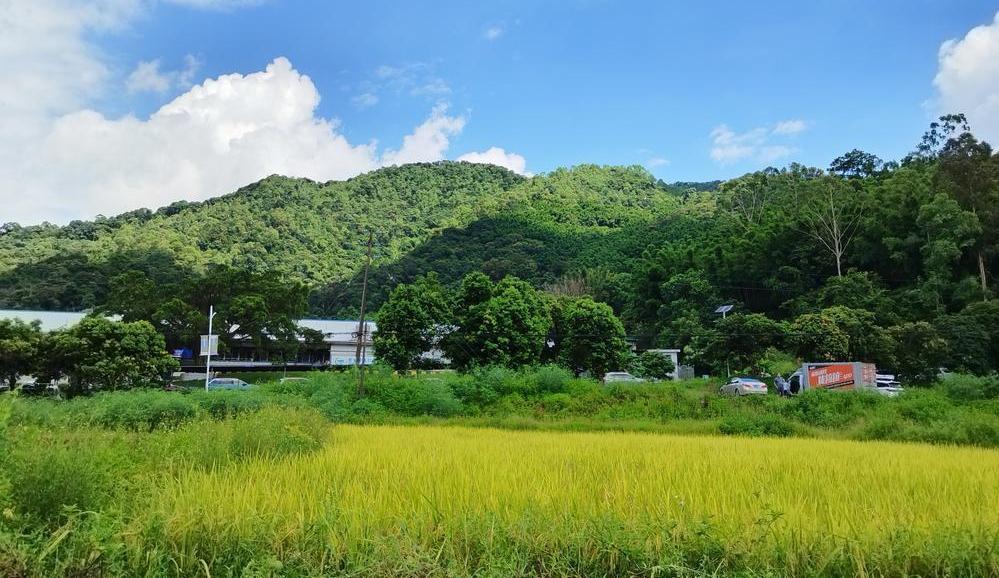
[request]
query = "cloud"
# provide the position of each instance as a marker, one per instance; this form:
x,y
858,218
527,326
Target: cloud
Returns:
x,y
412,79
216,4
499,157
365,100
967,79
433,87
429,141
655,162
147,76
728,146
49,67
493,33
62,159
789,127
216,137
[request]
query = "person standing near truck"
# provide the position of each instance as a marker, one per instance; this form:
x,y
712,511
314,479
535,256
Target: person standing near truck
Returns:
x,y
781,383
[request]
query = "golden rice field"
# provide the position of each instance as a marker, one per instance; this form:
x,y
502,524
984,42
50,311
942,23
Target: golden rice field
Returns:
x,y
453,501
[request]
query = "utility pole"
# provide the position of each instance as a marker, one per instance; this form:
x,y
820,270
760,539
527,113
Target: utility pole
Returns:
x,y
361,326
208,357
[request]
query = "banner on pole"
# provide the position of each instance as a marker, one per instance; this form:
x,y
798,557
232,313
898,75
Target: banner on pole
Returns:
x,y
209,345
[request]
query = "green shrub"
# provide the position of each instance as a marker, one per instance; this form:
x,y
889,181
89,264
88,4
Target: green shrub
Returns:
x,y
504,381
414,396
832,409
556,403
756,425
367,408
923,407
472,391
551,379
76,469
224,404
970,388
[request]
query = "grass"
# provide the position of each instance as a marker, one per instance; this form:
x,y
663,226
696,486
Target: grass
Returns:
x,y
420,500
963,410
500,473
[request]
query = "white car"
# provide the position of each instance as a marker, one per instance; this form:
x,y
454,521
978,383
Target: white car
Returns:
x,y
888,386
744,386
227,383
621,377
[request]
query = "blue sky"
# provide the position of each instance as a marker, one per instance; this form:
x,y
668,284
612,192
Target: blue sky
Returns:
x,y
693,91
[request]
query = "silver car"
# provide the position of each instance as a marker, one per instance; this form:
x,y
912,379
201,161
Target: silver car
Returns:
x,y
227,383
621,377
744,386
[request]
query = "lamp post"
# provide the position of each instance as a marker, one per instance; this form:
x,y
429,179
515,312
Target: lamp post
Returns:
x,y
723,309
207,344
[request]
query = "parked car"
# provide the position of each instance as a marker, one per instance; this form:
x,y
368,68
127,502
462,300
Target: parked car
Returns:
x,y
621,377
227,383
40,388
744,386
888,385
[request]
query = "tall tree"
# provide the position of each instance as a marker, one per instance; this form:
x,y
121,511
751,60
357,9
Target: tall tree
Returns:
x,y
970,172
106,355
18,349
589,337
412,321
856,164
497,324
830,214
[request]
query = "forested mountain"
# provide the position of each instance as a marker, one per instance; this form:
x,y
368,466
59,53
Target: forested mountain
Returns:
x,y
894,252
317,232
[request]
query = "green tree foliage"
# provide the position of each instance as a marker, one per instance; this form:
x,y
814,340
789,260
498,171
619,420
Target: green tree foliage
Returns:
x,y
412,321
973,338
19,342
589,337
101,354
909,242
817,337
654,365
919,352
249,306
742,339
856,164
867,341
497,324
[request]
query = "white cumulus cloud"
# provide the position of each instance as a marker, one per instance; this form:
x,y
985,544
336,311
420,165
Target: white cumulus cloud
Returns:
x,y
429,141
493,33
967,79
728,146
218,136
61,158
147,76
499,157
788,127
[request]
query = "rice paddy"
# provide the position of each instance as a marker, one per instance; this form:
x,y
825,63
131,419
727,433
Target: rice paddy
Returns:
x,y
393,500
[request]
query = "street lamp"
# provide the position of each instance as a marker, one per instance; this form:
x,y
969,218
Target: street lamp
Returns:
x,y
207,343
723,309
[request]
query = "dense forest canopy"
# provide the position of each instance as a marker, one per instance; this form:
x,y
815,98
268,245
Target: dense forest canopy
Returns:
x,y
851,260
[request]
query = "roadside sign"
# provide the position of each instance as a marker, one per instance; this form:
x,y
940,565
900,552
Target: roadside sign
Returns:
x,y
209,345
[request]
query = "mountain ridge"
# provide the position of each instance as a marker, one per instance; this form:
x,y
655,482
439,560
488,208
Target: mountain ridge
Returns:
x,y
313,231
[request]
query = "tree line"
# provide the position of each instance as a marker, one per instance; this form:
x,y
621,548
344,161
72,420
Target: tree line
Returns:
x,y
887,261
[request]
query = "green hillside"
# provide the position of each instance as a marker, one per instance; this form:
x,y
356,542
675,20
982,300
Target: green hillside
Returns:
x,y
316,232
890,262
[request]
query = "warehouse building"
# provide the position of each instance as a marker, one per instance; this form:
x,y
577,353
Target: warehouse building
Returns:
x,y
338,349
